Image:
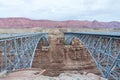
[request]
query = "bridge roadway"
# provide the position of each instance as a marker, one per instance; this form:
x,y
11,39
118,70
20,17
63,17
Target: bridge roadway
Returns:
x,y
104,49
17,50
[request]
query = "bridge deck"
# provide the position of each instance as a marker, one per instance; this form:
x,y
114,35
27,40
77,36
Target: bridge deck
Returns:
x,y
111,34
5,36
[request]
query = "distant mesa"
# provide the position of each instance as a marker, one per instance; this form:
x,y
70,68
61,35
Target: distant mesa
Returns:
x,y
29,23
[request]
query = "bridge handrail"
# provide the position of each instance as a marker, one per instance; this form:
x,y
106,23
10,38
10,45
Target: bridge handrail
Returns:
x,y
10,36
110,34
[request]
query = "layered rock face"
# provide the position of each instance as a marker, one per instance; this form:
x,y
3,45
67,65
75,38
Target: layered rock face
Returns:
x,y
29,23
58,58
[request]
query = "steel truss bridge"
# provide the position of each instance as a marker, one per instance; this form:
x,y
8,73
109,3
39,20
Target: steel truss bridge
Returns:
x,y
104,48
17,50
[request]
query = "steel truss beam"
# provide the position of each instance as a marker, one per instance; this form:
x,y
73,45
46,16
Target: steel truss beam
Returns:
x,y
17,50
104,49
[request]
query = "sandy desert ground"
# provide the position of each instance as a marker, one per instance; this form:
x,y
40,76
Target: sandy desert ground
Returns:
x,y
37,75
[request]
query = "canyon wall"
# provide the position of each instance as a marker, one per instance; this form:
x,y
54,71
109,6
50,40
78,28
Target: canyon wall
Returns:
x,y
58,58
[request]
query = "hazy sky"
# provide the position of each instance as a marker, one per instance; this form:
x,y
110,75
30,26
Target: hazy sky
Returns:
x,y
101,10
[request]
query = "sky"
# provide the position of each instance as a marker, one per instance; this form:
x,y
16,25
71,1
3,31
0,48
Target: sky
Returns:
x,y
61,10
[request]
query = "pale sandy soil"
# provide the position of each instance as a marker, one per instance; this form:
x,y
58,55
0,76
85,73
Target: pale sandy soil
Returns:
x,y
37,75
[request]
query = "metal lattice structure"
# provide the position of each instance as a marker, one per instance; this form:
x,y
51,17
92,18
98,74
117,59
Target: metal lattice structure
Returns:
x,y
104,49
17,50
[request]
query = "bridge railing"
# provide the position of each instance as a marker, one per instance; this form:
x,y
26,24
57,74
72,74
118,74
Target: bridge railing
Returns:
x,y
17,50
104,49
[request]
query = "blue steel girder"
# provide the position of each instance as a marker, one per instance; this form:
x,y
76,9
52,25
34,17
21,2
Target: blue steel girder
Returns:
x,y
17,50
104,49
